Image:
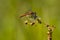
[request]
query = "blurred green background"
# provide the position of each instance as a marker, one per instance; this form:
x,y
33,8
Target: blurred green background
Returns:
x,y
13,28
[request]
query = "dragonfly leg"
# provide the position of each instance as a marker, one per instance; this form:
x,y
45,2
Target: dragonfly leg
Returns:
x,y
26,22
39,20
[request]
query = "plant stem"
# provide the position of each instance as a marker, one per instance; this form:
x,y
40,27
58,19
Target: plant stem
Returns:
x,y
49,34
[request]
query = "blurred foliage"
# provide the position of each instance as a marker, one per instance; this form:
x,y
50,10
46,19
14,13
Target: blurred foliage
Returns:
x,y
13,28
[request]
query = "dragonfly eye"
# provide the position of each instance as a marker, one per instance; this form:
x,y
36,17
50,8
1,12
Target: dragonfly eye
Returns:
x,y
33,15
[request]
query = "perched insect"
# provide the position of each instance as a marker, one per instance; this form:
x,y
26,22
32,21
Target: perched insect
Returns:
x,y
32,16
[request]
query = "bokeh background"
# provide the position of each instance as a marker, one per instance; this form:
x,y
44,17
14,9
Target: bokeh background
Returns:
x,y
13,28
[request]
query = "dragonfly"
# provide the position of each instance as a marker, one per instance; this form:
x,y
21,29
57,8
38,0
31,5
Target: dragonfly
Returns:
x,y
31,15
